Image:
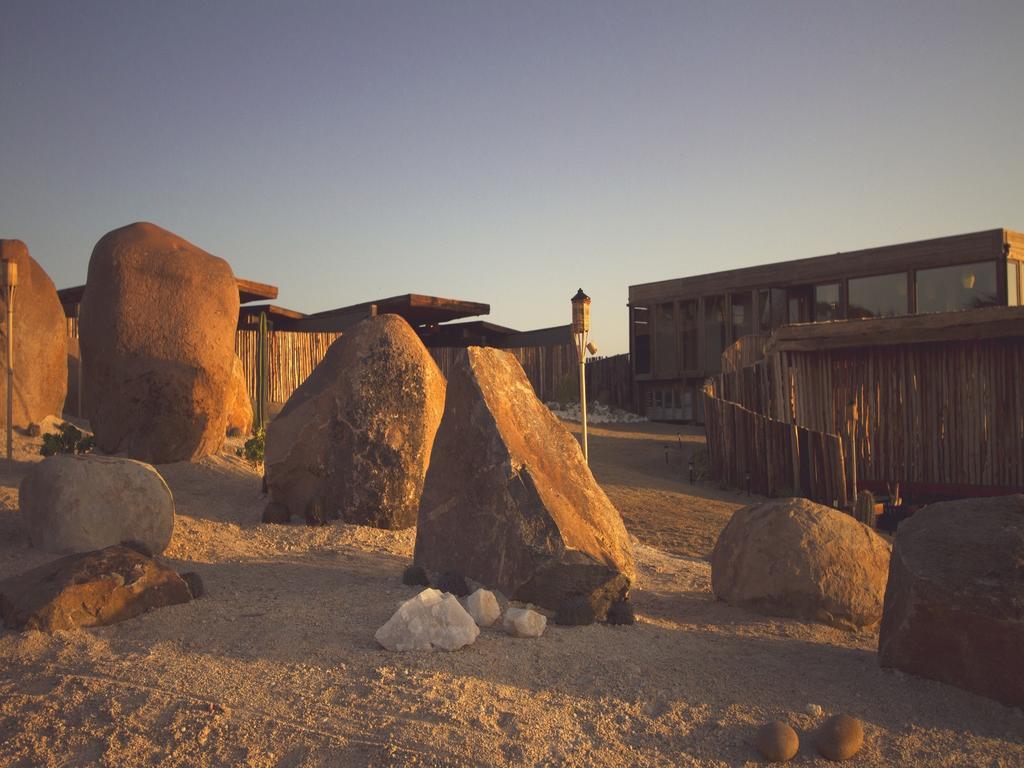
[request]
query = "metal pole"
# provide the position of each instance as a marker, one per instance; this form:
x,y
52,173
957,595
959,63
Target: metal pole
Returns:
x,y
78,335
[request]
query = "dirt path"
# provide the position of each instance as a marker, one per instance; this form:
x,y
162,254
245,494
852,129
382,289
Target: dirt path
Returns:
x,y
644,470
277,665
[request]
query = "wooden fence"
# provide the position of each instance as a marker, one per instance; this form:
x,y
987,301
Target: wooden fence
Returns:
x,y
552,370
746,351
941,418
750,451
610,381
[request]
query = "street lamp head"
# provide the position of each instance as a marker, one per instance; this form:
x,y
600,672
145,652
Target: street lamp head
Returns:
x,y
580,312
9,273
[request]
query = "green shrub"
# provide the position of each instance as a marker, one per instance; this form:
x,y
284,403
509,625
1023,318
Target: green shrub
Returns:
x,y
252,451
70,439
567,390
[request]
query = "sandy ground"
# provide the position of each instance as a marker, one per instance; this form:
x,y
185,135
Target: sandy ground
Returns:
x,y
277,665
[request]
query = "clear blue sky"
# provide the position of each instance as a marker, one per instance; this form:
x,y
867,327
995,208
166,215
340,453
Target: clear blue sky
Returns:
x,y
507,153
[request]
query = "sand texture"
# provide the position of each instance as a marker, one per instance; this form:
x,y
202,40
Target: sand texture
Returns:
x,y
277,665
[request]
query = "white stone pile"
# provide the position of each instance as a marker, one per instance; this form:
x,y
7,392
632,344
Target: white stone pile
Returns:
x,y
435,619
597,413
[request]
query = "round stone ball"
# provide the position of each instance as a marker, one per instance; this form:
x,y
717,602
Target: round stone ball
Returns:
x,y
777,742
840,737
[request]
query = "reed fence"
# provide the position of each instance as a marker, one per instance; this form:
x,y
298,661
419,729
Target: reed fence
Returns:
x,y
292,357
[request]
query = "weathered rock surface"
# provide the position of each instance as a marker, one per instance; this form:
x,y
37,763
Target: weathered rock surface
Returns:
x,y
355,439
88,590
777,742
509,501
432,619
954,605
483,606
40,342
840,737
71,503
523,622
793,557
157,332
239,403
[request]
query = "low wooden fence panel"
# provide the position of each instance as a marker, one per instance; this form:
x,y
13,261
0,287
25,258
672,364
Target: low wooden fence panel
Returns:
x,y
770,457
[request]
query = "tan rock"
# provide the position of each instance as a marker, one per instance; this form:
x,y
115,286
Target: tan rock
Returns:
x,y
840,737
509,500
777,742
240,413
40,342
354,441
157,332
89,590
792,557
954,605
81,503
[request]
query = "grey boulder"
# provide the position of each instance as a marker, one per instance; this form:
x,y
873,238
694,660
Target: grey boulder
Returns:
x,y
79,503
954,605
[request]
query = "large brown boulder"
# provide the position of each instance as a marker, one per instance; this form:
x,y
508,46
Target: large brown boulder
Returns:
x,y
157,332
89,590
40,343
353,441
239,403
792,557
509,500
954,606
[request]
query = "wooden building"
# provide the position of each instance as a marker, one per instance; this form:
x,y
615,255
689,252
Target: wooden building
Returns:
x,y
680,328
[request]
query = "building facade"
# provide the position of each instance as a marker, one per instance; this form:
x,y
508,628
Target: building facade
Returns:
x,y
679,328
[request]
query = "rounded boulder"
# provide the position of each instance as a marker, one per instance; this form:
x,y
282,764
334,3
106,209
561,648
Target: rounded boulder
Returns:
x,y
73,503
795,558
157,332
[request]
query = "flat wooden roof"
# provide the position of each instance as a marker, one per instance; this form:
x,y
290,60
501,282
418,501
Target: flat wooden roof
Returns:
x,y
248,290
942,251
251,313
965,325
416,308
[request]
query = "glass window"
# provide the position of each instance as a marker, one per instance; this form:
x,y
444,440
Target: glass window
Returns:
x,y
688,335
742,305
1013,283
826,302
963,286
714,332
665,335
641,341
772,309
800,300
879,296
